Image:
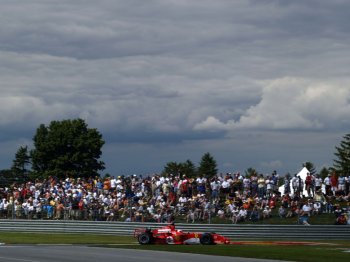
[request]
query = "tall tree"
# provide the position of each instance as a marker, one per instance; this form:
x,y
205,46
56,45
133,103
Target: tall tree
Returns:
x,y
250,171
20,163
67,147
7,178
207,166
324,172
342,162
186,168
173,168
310,166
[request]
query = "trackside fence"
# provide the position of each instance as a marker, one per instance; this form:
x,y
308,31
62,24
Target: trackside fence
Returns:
x,y
233,231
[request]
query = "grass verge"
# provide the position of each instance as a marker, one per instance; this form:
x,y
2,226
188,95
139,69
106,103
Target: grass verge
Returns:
x,y
82,239
322,251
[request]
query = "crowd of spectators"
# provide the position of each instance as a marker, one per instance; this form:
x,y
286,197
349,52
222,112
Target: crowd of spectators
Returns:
x,y
230,197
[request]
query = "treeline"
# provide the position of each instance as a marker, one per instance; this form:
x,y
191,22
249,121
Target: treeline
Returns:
x,y
70,148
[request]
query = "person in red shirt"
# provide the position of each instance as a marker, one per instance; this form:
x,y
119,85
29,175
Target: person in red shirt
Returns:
x,y
308,184
334,183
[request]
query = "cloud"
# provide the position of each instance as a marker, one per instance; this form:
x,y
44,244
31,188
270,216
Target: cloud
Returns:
x,y
177,72
290,104
272,165
211,123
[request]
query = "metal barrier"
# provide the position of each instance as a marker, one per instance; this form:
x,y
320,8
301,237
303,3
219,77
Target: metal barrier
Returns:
x,y
233,231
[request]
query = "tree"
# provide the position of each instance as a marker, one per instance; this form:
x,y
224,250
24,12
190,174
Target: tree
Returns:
x,y
186,168
67,147
6,178
250,171
324,172
310,166
342,162
207,166
19,166
172,168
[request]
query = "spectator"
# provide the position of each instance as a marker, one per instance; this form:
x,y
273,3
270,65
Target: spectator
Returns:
x,y
308,184
156,198
261,186
334,183
306,209
215,188
287,185
317,208
266,212
338,211
255,215
318,183
282,211
304,220
234,214
221,213
242,215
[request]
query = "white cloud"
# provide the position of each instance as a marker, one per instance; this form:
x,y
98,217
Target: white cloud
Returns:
x,y
24,108
292,103
210,124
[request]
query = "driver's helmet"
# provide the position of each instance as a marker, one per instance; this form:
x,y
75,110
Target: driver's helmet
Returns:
x,y
170,240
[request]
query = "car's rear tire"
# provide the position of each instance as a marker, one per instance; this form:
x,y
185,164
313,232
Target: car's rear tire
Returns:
x,y
145,238
206,239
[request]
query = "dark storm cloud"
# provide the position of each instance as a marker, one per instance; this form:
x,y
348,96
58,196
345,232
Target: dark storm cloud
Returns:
x,y
178,72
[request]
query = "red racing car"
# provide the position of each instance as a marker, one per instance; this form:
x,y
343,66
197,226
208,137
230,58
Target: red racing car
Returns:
x,y
170,235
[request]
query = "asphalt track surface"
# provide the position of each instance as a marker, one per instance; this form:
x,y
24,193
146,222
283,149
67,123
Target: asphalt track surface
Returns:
x,y
62,253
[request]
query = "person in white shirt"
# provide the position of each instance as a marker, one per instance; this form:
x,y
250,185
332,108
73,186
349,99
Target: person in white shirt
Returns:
x,y
317,208
201,184
318,183
231,207
246,184
2,213
269,185
215,187
306,209
267,212
295,184
341,183
234,215
221,213
113,184
327,183
182,200
242,214
225,186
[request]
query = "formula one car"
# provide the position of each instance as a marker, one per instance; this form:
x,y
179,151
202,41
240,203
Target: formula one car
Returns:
x,y
170,235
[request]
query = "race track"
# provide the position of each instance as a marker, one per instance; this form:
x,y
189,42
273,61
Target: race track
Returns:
x,y
68,253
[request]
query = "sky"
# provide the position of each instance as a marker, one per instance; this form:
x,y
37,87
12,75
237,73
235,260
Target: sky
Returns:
x,y
260,84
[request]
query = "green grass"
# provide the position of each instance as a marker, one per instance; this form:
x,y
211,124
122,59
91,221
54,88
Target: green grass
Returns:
x,y
39,238
328,250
